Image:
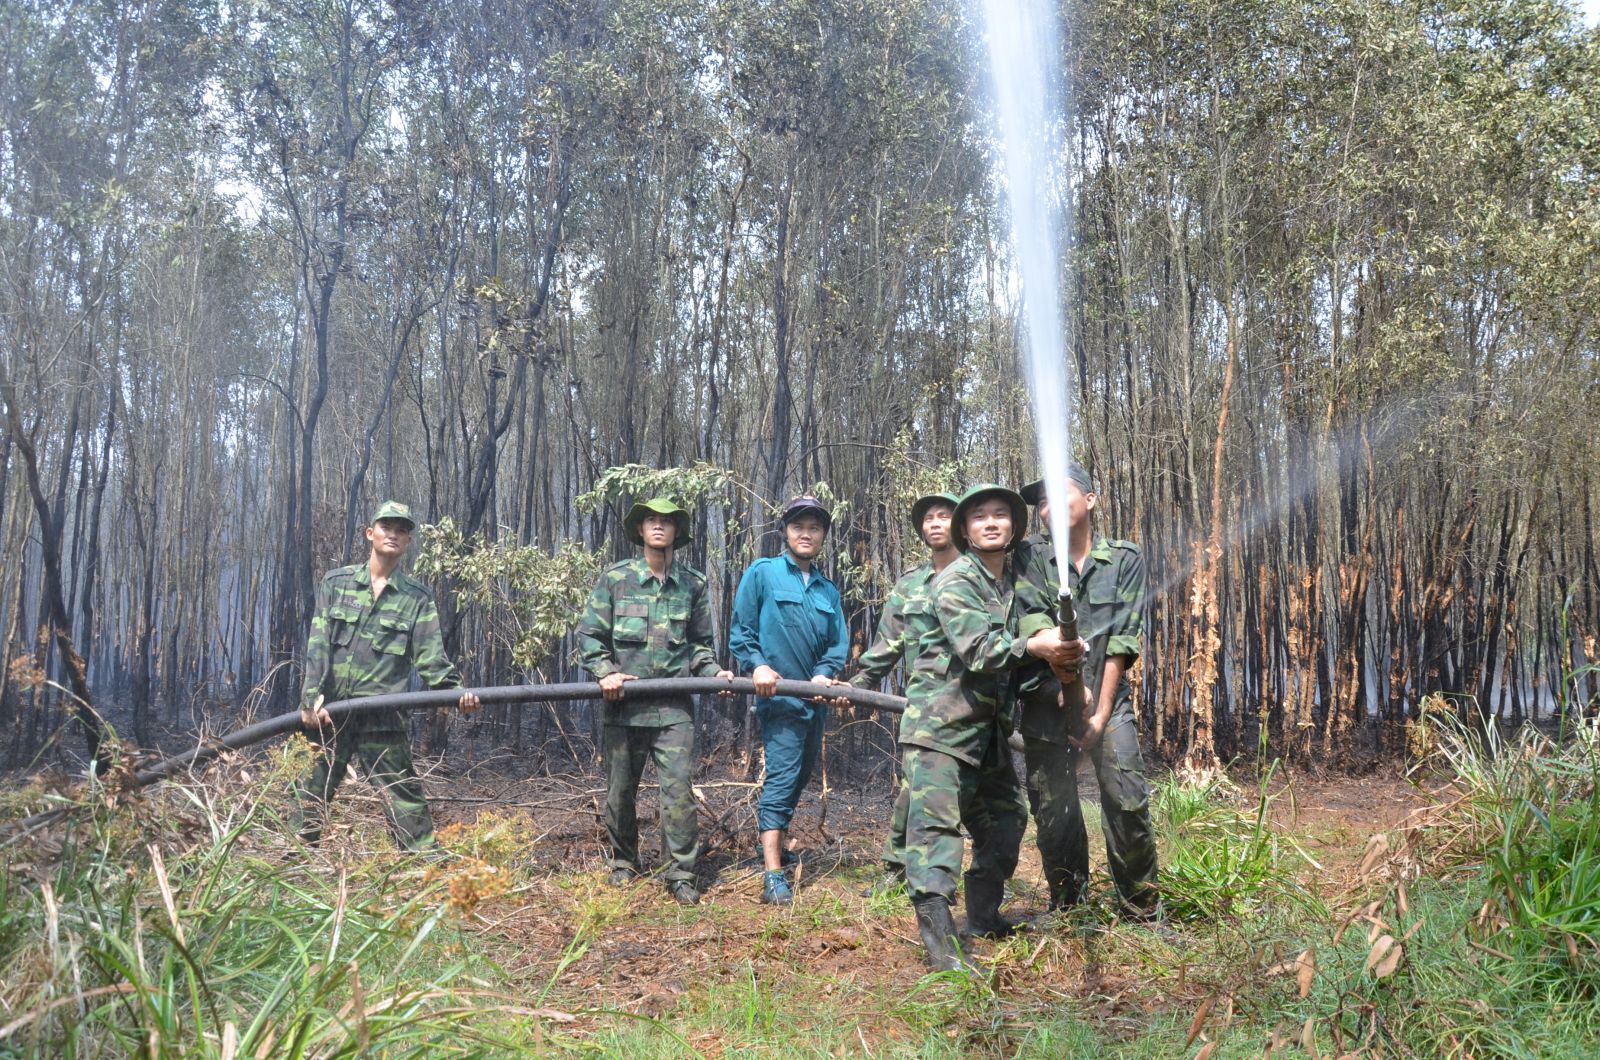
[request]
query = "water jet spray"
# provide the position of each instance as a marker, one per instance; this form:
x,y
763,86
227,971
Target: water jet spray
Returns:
x,y
1022,54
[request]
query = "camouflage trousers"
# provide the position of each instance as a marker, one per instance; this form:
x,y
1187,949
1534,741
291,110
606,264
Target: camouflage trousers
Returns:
x,y
894,848
1124,807
383,747
946,793
627,749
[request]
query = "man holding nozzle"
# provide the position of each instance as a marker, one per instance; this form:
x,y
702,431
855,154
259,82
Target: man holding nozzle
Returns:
x,y
1108,585
958,717
650,616
900,626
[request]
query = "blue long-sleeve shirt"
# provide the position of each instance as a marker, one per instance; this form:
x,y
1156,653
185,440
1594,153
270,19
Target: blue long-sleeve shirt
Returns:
x,y
793,625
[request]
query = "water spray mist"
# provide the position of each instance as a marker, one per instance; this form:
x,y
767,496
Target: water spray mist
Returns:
x,y
1023,47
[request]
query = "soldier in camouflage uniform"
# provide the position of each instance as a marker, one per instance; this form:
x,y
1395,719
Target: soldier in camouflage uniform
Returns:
x,y
899,628
958,716
1108,585
372,626
650,617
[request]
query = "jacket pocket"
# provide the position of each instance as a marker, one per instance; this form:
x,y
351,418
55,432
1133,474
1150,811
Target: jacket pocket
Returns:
x,y
631,622
393,636
341,625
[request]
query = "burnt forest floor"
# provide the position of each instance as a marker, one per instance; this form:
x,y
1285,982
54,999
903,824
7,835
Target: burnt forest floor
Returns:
x,y
1307,915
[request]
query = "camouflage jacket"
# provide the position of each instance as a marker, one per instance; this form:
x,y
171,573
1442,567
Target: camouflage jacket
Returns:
x,y
647,627
962,687
1108,595
898,629
365,647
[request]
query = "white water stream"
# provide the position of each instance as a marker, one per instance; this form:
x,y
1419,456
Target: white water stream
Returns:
x,y
1023,53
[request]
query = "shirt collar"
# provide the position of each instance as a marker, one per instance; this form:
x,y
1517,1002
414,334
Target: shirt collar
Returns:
x,y
399,581
984,570
642,565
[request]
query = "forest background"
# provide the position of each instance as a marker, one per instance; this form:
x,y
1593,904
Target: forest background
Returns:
x,y
1333,309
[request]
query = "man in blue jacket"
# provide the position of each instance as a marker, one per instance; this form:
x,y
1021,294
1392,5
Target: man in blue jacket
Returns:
x,y
788,624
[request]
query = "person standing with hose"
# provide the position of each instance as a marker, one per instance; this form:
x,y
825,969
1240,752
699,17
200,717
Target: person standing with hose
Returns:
x,y
954,736
1108,585
900,627
373,625
788,624
650,616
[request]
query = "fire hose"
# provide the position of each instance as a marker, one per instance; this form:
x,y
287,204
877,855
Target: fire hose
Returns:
x,y
208,749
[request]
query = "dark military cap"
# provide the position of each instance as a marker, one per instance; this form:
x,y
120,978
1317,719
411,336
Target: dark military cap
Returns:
x,y
1033,492
657,506
922,504
806,502
394,510
1019,512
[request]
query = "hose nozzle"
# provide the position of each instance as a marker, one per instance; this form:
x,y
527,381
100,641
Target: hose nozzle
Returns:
x,y
1067,616
1073,695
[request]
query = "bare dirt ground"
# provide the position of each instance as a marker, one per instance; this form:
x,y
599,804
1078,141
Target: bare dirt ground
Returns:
x,y
633,950
561,934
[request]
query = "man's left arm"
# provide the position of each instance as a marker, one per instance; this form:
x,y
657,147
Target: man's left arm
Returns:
x,y
703,657
1122,645
1127,626
1095,722
432,662
837,651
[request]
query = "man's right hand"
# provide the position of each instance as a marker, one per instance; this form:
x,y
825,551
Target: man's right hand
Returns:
x,y
316,716
1062,655
766,679
611,684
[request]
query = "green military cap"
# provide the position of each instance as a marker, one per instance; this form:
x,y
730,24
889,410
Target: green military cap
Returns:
x,y
1033,492
922,504
394,510
1019,511
656,506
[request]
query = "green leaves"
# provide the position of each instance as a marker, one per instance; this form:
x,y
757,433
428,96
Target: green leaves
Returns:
x,y
529,595
688,486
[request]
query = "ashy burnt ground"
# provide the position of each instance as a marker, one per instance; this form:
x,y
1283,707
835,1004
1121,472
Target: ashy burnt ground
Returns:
x,y
841,971
1311,915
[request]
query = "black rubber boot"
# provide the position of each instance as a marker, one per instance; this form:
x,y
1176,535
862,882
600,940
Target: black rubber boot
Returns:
x,y
983,910
938,929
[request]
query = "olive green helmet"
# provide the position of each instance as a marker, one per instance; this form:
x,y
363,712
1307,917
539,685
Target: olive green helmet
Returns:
x,y
923,503
1019,512
656,506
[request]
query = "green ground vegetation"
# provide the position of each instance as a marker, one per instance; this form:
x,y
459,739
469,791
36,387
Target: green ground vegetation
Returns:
x,y
186,922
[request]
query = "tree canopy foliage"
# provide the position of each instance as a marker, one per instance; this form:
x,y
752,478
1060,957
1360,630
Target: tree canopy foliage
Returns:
x,y
1334,296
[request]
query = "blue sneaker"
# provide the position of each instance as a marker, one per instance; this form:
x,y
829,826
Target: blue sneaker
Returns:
x,y
775,889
